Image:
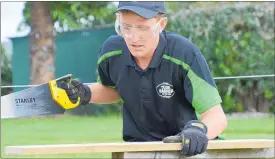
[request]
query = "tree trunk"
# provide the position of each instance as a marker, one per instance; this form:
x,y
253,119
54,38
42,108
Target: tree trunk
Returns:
x,y
42,46
253,98
263,104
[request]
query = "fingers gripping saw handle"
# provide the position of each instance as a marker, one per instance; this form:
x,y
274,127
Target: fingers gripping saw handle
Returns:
x,y
59,95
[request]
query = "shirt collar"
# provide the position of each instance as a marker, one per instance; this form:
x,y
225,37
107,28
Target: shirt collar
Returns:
x,y
127,57
158,52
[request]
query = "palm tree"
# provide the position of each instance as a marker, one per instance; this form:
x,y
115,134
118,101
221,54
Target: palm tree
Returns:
x,y
42,45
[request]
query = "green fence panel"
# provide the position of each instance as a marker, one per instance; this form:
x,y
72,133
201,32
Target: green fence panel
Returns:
x,y
20,62
76,54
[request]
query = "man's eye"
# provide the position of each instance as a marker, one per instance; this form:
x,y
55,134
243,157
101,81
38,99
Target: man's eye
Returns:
x,y
126,28
143,29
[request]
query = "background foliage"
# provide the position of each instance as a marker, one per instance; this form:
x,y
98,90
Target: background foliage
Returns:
x,y
69,15
6,75
236,39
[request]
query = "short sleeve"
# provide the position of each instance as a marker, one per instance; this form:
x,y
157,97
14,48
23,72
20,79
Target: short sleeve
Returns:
x,y
110,48
103,74
199,85
103,68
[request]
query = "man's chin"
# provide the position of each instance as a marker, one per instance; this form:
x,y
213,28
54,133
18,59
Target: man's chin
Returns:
x,y
138,54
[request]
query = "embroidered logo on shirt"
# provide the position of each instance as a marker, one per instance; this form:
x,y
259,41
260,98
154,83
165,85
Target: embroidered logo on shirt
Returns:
x,y
165,90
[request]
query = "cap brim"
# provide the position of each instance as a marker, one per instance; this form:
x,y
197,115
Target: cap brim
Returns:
x,y
145,13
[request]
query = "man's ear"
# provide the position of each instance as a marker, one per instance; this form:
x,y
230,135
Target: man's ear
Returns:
x,y
163,24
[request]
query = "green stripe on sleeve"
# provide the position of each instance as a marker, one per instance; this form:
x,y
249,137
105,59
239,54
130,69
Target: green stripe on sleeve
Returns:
x,y
105,56
176,61
99,79
109,54
205,95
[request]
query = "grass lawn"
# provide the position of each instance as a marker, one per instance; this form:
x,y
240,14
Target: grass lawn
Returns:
x,y
101,129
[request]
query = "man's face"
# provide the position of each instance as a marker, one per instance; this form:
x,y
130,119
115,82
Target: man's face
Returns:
x,y
141,35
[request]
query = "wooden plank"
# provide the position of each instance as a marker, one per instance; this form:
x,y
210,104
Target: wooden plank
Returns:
x,y
210,154
132,147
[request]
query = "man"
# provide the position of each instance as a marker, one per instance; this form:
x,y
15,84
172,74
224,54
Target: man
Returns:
x,y
162,78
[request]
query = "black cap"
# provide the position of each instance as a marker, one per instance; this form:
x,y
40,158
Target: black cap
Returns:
x,y
146,9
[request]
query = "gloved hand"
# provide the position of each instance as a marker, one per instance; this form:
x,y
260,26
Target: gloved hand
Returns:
x,y
193,138
76,89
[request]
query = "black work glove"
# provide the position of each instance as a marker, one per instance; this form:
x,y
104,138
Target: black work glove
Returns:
x,y
76,89
193,138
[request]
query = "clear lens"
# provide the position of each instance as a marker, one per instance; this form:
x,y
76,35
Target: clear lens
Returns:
x,y
117,28
141,32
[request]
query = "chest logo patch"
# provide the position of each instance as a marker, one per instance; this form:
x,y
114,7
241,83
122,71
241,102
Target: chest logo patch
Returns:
x,y
165,90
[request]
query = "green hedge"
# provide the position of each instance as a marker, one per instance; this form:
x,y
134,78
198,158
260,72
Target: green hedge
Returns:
x,y
6,75
236,40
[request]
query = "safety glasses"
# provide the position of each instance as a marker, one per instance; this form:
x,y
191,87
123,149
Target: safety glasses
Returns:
x,y
143,32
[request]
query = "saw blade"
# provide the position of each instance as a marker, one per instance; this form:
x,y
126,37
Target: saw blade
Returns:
x,y
30,102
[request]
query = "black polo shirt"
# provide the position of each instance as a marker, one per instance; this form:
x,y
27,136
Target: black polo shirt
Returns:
x,y
160,100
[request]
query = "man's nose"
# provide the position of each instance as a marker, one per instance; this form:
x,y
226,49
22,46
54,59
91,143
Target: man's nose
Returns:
x,y
134,37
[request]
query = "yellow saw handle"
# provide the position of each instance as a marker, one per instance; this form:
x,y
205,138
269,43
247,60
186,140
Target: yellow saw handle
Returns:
x,y
60,96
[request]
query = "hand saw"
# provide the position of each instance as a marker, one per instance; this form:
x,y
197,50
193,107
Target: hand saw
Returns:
x,y
42,100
